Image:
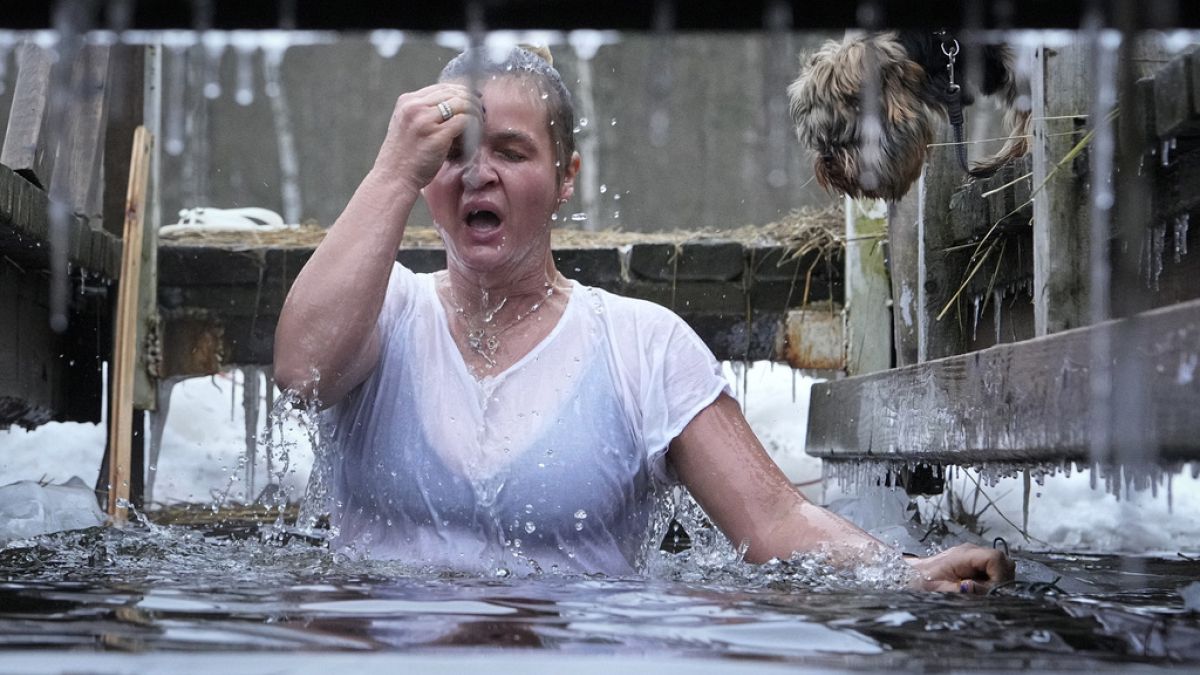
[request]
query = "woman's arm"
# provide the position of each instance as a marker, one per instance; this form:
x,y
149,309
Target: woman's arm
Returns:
x,y
727,470
326,342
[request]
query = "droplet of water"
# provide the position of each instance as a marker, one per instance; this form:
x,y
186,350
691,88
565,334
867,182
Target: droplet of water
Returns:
x,y
581,514
530,528
603,188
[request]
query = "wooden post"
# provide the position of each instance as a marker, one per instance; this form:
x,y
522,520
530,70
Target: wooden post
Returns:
x,y
145,383
903,258
924,274
76,179
1061,86
124,343
869,344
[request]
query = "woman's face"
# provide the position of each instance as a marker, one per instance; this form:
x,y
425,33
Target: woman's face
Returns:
x,y
493,208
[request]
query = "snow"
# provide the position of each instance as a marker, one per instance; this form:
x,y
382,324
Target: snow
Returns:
x,y
204,447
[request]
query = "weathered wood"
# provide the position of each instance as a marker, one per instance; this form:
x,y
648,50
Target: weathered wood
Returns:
x,y
30,392
77,177
143,81
123,114
219,305
25,231
1061,85
903,258
1176,111
124,348
26,148
868,344
1024,402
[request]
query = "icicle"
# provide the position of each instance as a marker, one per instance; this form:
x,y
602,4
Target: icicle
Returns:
x,y
176,84
997,300
976,303
387,43
5,48
289,166
1158,247
214,48
245,48
1180,235
585,44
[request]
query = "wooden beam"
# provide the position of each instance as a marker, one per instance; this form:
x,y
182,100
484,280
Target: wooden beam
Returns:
x,y
25,145
124,347
1025,402
219,305
25,231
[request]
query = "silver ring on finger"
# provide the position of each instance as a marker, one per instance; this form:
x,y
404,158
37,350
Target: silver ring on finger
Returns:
x,y
445,109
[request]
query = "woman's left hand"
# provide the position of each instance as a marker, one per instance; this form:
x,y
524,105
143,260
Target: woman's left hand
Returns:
x,y
964,569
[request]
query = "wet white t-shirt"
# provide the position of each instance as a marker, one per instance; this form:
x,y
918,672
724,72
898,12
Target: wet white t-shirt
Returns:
x,y
551,464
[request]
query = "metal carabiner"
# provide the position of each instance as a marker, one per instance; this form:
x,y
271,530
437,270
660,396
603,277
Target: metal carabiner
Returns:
x,y
951,54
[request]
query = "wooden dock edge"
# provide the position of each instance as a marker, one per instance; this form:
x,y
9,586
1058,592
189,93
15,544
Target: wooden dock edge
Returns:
x,y
1029,401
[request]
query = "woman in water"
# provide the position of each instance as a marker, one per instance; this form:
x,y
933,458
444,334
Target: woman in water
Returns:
x,y
497,413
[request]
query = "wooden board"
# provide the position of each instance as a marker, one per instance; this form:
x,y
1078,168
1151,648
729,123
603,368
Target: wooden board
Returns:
x,y
25,148
1027,402
25,231
1061,87
124,343
77,177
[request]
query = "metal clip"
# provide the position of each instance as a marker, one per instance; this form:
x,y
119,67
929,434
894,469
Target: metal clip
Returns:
x,y
951,53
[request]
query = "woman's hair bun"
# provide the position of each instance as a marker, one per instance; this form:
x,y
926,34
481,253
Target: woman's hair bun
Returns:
x,y
541,51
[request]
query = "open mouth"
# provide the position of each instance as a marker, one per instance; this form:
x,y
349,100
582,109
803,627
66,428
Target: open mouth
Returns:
x,y
483,219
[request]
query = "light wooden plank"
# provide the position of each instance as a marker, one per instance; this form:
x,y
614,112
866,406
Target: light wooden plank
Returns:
x,y
124,343
868,345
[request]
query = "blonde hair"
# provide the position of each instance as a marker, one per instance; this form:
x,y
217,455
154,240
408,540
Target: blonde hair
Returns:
x,y
535,63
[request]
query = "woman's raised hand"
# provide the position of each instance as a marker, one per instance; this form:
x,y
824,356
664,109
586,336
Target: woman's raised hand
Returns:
x,y
424,124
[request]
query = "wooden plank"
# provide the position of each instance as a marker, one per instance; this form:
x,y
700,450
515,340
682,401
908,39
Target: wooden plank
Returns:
x,y
1175,103
1061,85
124,347
1024,402
77,177
903,257
941,269
31,389
25,231
145,86
124,113
868,348
25,145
